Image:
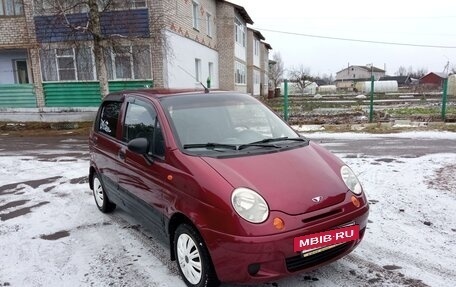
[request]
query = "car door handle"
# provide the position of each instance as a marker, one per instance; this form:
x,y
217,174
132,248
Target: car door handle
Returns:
x,y
121,154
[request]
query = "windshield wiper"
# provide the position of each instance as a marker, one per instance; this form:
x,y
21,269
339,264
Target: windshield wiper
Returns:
x,y
269,140
266,142
211,146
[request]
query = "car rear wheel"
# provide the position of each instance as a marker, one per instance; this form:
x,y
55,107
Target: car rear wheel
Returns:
x,y
193,260
101,199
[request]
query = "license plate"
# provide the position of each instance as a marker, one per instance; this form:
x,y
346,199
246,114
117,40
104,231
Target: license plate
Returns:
x,y
322,241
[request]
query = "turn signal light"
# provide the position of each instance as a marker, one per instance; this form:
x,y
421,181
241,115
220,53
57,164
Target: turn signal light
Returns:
x,y
278,223
355,201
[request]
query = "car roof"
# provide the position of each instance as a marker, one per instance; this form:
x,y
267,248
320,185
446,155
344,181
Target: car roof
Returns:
x,y
159,93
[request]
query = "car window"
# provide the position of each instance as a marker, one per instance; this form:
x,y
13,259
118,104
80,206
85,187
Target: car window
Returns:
x,y
109,117
141,121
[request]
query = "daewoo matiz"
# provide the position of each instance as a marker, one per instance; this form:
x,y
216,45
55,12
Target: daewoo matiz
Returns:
x,y
233,188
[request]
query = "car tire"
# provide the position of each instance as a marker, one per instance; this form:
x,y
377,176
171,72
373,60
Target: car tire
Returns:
x,y
192,257
101,199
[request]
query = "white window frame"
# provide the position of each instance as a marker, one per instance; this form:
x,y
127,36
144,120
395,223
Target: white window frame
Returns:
x,y
239,32
73,56
195,15
210,68
257,48
240,75
113,61
256,77
17,8
209,24
198,69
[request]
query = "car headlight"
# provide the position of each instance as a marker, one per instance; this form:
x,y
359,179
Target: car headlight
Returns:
x,y
249,205
350,179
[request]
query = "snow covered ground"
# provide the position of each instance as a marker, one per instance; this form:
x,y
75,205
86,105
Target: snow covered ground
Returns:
x,y
51,233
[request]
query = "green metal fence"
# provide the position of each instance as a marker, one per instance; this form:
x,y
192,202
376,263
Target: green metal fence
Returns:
x,y
84,94
17,96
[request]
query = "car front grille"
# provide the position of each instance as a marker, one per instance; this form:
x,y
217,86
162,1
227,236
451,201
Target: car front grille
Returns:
x,y
298,262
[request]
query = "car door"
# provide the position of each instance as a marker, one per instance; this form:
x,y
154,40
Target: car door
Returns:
x,y
141,177
105,145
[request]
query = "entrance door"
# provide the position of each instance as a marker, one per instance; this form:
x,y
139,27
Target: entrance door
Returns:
x,y
21,72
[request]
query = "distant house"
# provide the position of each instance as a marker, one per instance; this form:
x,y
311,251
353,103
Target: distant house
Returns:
x,y
359,72
434,79
264,67
254,50
348,77
402,81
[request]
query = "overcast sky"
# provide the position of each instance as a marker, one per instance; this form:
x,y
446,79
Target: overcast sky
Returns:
x,y
400,21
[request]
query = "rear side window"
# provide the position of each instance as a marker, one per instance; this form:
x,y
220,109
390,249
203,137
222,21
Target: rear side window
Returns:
x,y
109,117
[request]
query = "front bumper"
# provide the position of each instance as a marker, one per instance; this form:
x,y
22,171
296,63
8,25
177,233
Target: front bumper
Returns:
x,y
258,259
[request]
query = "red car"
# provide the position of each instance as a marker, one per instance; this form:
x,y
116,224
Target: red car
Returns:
x,y
232,187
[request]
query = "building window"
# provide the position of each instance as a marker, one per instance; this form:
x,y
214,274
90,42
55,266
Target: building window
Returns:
x,y
66,68
195,11
11,8
121,4
77,6
257,77
211,70
209,24
198,70
128,62
122,62
240,73
257,48
240,32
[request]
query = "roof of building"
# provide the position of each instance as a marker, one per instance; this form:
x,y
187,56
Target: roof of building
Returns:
x,y
374,69
269,47
257,33
441,75
241,10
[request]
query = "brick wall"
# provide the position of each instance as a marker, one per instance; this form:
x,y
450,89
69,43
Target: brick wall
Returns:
x,y
225,45
176,16
13,32
179,19
264,68
250,42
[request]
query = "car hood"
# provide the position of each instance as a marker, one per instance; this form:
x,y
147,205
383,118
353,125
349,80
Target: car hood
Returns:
x,y
287,180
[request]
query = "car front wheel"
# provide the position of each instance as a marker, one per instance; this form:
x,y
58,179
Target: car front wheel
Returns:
x,y
101,199
193,260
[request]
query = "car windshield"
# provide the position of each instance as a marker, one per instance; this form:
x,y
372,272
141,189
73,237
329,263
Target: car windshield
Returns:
x,y
224,121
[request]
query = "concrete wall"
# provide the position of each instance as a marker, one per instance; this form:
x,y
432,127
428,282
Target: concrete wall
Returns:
x,y
182,63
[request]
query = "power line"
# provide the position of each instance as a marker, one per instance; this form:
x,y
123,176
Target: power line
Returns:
x,y
358,40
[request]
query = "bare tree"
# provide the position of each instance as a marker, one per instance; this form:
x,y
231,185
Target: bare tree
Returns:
x,y
86,25
453,70
301,76
402,71
276,69
418,73
327,79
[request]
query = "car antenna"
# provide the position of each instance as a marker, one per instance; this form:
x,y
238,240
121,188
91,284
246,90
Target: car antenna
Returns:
x,y
206,90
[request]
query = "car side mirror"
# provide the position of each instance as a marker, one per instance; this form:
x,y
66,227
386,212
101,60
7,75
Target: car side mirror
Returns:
x,y
139,145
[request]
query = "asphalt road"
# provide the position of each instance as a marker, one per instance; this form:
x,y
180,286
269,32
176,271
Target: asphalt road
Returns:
x,y
377,146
